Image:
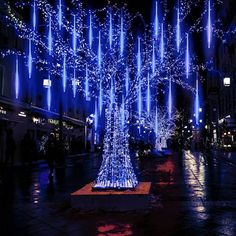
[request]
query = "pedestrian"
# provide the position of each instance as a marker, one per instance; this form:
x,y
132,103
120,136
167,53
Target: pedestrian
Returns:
x,y
10,147
32,150
1,145
50,152
60,152
25,147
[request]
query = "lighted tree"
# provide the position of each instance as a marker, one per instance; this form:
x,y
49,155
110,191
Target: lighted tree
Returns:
x,y
96,53
161,123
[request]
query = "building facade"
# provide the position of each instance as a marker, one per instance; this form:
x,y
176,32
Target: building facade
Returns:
x,y
221,85
29,113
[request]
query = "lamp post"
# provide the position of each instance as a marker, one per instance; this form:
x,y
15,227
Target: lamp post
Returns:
x,y
226,81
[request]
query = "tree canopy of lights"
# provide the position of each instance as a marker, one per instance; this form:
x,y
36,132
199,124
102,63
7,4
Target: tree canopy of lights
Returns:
x,y
98,53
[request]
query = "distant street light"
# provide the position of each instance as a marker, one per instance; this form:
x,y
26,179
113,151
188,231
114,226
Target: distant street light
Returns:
x,y
226,81
47,83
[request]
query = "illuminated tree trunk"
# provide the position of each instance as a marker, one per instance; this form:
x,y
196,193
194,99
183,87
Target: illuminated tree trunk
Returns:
x,y
116,171
158,144
163,142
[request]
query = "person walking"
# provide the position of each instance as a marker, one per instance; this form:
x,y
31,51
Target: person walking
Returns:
x,y
50,152
10,147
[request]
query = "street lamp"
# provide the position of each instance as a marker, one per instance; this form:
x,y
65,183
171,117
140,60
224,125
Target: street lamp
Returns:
x,y
47,83
226,81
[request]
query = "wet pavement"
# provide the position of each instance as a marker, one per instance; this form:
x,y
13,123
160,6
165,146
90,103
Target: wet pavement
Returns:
x,y
192,194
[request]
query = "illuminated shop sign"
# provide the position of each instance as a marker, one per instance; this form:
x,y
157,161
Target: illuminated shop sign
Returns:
x,y
38,120
35,120
56,122
53,122
22,114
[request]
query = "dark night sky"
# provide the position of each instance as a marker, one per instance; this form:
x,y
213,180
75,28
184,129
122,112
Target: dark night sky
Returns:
x,y
141,6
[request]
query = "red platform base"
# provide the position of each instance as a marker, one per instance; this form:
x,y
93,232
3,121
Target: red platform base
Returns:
x,y
112,200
